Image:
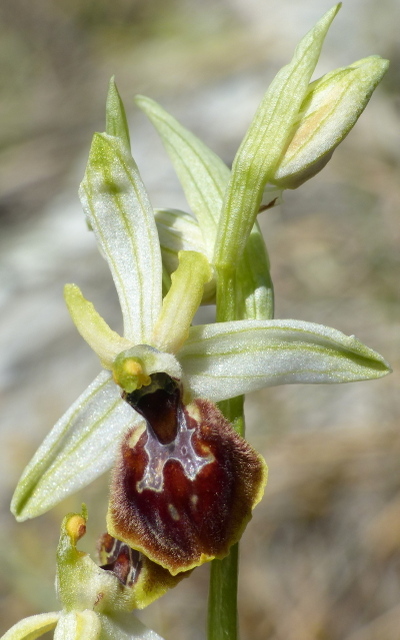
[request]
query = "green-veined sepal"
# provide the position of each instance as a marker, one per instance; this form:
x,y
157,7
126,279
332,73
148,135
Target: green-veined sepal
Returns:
x,y
116,122
81,446
119,212
204,178
203,175
224,360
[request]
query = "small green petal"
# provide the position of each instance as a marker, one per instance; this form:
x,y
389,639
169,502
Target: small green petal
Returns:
x,y
116,122
32,627
105,342
78,625
81,446
182,301
119,212
256,160
225,360
203,175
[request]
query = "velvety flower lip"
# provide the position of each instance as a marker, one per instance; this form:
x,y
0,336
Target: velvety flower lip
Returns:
x,y
184,488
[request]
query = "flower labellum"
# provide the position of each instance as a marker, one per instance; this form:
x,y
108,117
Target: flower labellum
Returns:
x,y
185,483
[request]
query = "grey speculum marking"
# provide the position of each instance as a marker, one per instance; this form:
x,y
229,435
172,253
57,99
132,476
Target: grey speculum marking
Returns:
x,y
168,436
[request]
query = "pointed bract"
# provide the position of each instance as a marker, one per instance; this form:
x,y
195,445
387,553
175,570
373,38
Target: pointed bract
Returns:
x,y
258,155
116,122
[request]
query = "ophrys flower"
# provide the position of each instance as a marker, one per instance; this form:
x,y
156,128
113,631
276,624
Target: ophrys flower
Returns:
x,y
184,483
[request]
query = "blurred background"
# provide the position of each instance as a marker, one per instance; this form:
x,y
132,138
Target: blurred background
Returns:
x,y
321,558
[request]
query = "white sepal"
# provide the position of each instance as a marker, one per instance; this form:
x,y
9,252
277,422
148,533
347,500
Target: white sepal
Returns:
x,y
119,212
203,175
224,360
81,446
178,231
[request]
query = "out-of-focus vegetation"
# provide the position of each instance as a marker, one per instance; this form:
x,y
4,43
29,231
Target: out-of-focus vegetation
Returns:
x,y
56,58
321,558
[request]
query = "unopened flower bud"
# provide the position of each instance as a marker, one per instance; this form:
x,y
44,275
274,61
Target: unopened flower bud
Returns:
x,y
330,109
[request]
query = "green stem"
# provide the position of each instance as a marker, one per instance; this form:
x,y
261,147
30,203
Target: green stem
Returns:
x,y
243,290
222,623
226,294
233,412
222,601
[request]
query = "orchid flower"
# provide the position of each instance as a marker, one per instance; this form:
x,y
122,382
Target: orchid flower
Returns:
x,y
184,482
97,600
